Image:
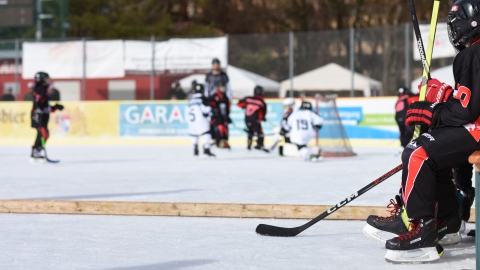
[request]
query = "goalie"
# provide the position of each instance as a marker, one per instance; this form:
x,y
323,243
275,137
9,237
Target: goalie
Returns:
x,y
302,125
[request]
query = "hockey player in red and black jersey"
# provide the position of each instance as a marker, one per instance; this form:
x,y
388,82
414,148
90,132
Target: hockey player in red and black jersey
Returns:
x,y
41,115
452,120
405,98
221,115
255,113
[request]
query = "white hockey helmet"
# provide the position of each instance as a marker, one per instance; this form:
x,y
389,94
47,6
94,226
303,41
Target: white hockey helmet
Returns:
x,y
289,102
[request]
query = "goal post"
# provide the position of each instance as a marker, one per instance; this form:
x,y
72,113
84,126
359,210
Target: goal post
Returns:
x,y
332,138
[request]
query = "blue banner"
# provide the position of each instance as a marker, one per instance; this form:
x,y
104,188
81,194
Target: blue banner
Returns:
x,y
168,119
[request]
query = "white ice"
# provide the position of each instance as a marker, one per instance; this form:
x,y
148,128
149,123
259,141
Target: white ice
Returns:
x,y
147,243
170,173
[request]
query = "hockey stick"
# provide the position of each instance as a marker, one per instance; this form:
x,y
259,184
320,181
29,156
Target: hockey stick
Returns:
x,y
269,230
426,57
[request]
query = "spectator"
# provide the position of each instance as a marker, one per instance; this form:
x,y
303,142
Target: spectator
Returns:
x,y
192,89
7,96
176,93
29,95
215,77
53,93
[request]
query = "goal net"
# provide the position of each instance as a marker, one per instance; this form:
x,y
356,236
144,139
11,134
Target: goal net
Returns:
x,y
332,139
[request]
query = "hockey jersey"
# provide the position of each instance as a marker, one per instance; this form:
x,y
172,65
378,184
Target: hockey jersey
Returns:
x,y
211,81
199,114
255,108
302,125
463,107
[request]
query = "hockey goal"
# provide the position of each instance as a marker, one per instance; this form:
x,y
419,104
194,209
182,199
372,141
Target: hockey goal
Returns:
x,y
332,139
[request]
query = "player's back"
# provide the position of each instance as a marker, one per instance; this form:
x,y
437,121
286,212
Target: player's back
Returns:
x,y
301,123
198,123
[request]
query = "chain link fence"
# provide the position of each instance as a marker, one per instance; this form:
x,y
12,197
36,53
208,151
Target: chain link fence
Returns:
x,y
384,54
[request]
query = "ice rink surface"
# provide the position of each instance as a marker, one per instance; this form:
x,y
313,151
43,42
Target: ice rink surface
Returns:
x,y
171,174
148,243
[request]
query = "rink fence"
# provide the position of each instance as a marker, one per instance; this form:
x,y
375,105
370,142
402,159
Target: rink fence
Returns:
x,y
363,118
186,209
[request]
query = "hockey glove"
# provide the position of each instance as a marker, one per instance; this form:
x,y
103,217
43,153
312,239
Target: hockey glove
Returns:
x,y
283,131
57,107
437,91
423,113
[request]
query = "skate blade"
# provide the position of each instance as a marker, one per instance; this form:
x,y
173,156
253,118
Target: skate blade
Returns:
x,y
38,161
420,255
450,239
372,232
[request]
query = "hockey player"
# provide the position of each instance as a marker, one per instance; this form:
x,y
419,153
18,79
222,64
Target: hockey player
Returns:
x,y
41,115
199,113
453,120
401,106
288,104
214,77
221,115
255,113
302,125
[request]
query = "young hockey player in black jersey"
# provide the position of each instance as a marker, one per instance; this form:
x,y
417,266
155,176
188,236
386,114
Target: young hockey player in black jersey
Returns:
x,y
452,118
199,113
41,115
221,115
255,113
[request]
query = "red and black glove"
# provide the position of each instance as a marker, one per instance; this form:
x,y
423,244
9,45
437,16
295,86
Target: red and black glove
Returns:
x,y
423,113
437,91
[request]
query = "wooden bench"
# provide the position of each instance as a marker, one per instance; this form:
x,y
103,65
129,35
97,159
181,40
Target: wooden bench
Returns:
x,y
475,159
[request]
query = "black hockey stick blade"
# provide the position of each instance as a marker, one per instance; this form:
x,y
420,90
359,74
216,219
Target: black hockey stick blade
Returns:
x,y
270,230
52,161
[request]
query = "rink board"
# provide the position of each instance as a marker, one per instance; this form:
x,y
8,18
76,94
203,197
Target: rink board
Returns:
x,y
233,210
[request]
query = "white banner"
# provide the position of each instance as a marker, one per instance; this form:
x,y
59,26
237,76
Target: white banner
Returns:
x,y
176,54
442,47
64,60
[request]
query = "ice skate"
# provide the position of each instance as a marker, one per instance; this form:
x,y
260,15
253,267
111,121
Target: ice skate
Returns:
x,y
448,231
209,154
262,149
416,246
249,144
392,224
314,158
37,156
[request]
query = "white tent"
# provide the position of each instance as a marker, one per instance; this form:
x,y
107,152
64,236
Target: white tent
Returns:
x,y
241,81
331,77
444,74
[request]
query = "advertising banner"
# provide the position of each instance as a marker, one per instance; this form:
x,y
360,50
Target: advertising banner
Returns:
x,y
64,60
176,54
170,119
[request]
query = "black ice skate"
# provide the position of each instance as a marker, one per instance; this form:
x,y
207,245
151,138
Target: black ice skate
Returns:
x,y
208,153
262,149
418,245
448,230
195,150
249,144
393,224
37,155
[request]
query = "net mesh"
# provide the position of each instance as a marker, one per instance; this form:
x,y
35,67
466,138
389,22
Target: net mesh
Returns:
x,y
332,138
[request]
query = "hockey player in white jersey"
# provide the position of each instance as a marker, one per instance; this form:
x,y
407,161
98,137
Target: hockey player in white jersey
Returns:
x,y
302,125
199,114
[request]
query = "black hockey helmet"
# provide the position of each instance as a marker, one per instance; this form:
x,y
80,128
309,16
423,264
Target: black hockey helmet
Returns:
x,y
306,105
221,83
258,90
463,20
175,84
215,61
402,90
199,88
41,77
